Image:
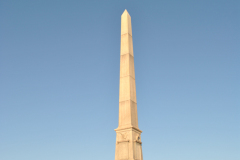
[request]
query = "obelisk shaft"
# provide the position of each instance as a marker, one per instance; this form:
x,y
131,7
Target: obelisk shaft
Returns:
x,y
128,143
127,88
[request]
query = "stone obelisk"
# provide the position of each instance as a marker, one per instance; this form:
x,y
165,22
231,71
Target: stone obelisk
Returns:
x,y
128,143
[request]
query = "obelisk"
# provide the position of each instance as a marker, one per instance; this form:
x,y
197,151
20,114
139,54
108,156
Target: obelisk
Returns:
x,y
128,141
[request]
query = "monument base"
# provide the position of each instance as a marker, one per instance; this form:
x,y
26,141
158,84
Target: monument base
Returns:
x,y
128,144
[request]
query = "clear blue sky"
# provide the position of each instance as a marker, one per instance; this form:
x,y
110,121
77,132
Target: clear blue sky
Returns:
x,y
59,78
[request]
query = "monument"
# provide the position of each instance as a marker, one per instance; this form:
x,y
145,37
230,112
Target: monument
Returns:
x,y
128,141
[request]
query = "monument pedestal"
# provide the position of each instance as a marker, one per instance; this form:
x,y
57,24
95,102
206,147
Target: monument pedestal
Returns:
x,y
128,144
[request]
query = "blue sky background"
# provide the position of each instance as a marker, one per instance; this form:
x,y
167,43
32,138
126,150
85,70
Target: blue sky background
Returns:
x,y
59,71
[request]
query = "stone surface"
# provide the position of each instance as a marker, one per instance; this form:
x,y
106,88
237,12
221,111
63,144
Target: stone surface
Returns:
x,y
128,141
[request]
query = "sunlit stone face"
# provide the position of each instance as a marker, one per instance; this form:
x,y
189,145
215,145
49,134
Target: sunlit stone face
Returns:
x,y
128,141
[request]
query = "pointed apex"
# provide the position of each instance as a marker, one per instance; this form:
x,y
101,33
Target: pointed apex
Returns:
x,y
126,26
125,12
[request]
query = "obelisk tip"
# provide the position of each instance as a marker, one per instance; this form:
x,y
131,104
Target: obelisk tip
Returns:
x,y
125,12
126,23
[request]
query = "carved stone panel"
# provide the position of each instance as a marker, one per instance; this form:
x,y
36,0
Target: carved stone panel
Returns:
x,y
123,150
138,151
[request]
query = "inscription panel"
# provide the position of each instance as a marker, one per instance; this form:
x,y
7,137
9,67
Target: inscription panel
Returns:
x,y
138,151
123,150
